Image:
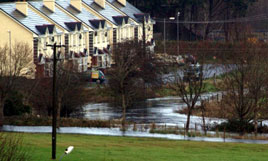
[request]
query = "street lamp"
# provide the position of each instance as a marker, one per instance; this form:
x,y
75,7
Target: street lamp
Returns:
x,y
67,151
9,32
178,34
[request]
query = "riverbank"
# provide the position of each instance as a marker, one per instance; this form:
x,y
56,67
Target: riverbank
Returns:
x,y
99,148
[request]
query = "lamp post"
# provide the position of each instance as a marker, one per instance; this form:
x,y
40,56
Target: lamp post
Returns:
x,y
178,34
9,32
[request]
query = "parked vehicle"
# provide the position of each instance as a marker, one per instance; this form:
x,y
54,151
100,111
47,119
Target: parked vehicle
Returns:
x,y
97,76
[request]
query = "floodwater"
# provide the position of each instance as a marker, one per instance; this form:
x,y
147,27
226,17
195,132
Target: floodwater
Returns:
x,y
118,132
157,110
161,111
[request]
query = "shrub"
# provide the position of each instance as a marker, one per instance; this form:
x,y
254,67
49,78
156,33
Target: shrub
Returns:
x,y
235,125
10,148
14,105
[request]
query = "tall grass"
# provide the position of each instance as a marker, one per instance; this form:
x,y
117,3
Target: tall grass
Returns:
x,y
11,148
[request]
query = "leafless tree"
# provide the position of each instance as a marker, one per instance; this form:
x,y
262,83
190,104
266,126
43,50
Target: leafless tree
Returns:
x,y
70,95
245,82
70,88
13,64
132,73
188,83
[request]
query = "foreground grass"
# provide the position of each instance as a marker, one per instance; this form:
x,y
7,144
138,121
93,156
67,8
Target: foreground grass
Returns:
x,y
103,148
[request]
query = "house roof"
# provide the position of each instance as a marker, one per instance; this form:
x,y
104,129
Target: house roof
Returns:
x,y
140,17
120,19
43,28
57,16
96,23
72,25
108,12
82,15
30,21
129,9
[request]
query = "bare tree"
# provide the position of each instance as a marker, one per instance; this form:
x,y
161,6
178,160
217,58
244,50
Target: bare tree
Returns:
x,y
188,82
124,81
132,73
70,88
245,82
12,64
189,89
70,95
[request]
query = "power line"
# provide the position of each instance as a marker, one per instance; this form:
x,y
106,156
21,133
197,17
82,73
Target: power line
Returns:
x,y
244,19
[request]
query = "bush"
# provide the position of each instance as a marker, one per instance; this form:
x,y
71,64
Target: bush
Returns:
x,y
14,105
10,148
235,126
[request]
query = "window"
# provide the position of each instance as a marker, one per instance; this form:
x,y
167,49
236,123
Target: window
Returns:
x,y
107,36
80,39
122,33
99,38
45,43
74,40
103,36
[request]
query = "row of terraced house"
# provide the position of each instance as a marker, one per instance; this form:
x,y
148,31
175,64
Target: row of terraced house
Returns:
x,y
86,28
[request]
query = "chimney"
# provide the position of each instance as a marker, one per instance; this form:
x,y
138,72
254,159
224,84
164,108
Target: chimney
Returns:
x,y
22,7
50,4
122,2
77,4
100,3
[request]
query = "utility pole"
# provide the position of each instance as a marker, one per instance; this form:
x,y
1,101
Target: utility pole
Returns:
x,y
54,100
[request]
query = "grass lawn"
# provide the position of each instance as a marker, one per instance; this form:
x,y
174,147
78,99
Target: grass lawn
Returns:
x,y
104,148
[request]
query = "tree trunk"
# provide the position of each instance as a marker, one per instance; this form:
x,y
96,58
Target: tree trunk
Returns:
x,y
255,123
188,120
203,117
124,112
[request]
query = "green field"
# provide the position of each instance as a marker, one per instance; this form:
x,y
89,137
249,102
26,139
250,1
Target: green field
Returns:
x,y
104,148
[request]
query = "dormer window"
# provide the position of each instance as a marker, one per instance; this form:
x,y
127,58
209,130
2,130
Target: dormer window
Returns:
x,y
96,33
80,36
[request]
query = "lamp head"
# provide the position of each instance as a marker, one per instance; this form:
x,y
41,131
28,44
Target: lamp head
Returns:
x,y
69,150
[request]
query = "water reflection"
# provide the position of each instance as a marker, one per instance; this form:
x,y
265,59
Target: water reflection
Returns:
x,y
158,110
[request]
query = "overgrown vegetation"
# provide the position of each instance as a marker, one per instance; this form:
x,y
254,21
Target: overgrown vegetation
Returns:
x,y
11,148
14,105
